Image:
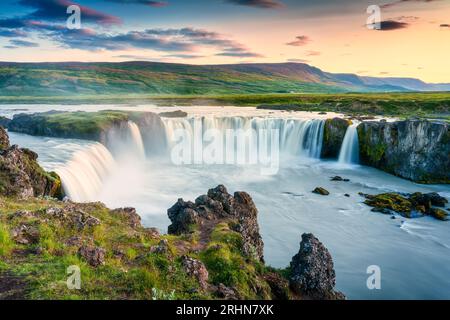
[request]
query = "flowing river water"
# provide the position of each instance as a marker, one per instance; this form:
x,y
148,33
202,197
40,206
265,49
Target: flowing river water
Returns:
x,y
413,254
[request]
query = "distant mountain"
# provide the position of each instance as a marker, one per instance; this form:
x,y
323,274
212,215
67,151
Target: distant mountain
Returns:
x,y
75,78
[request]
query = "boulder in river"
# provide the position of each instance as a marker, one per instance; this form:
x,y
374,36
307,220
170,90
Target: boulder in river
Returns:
x,y
321,191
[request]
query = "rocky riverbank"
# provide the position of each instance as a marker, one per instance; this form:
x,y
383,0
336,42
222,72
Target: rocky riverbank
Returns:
x,y
213,249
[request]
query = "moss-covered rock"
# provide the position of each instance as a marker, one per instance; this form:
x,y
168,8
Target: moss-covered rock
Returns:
x,y
408,205
413,149
334,134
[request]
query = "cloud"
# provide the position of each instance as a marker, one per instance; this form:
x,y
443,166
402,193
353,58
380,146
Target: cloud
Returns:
x,y
312,53
178,43
22,43
264,4
12,33
389,25
299,41
156,4
55,10
445,25
183,56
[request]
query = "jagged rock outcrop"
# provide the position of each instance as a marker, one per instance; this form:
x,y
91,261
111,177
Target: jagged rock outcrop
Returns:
x,y
21,175
333,136
218,204
312,271
418,150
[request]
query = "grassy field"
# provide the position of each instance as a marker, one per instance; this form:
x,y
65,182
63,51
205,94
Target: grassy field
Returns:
x,y
435,105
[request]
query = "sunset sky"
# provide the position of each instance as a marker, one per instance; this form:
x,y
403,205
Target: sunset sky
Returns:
x,y
414,40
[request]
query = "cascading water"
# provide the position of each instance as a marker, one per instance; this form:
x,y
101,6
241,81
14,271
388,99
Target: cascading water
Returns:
x,y
349,153
83,176
297,137
136,139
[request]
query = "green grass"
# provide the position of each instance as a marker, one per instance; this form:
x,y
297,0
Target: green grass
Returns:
x,y
137,274
436,104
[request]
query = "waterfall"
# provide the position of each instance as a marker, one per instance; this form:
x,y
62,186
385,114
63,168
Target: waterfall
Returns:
x,y
83,176
297,137
136,139
349,153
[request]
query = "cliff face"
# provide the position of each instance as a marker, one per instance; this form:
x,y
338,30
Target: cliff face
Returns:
x,y
411,149
333,136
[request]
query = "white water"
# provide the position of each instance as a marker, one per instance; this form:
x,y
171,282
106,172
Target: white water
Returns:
x,y
84,175
349,153
136,139
414,255
296,137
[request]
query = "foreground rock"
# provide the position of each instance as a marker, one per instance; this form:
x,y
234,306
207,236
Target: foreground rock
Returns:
x,y
333,136
409,205
312,271
216,205
20,174
417,150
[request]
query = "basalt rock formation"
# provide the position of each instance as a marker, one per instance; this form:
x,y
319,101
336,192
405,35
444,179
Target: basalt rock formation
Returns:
x,y
218,205
418,150
312,271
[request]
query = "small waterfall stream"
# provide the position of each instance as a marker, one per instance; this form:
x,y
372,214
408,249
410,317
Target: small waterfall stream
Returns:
x,y
349,153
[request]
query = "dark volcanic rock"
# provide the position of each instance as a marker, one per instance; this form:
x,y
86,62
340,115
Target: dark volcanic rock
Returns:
x,y
182,215
417,150
321,191
439,214
334,133
245,210
219,204
312,271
